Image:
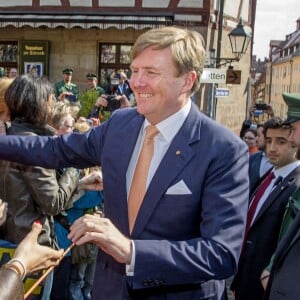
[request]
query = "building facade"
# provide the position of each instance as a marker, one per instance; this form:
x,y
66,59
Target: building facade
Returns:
x,y
283,70
46,36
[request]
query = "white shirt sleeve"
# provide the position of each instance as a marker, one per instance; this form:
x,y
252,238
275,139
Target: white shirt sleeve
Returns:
x,y
130,268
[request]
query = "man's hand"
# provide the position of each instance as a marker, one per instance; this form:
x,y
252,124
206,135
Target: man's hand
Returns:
x,y
3,211
92,182
63,95
102,232
124,102
101,101
264,278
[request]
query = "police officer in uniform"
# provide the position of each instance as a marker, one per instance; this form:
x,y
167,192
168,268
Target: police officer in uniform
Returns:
x,y
90,96
92,81
65,89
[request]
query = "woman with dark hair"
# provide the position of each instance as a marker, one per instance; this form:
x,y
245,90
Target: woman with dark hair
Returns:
x,y
33,193
250,136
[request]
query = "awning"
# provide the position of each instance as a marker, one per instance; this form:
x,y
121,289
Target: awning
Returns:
x,y
83,21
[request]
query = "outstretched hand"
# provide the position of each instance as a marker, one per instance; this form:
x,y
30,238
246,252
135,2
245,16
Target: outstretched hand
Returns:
x,y
34,256
92,182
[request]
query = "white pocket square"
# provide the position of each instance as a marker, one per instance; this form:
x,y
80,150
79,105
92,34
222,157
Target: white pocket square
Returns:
x,y
180,188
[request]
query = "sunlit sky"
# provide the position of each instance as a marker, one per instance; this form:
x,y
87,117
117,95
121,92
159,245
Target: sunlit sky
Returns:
x,y
274,19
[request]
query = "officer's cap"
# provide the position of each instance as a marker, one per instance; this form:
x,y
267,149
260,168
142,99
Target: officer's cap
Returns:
x,y
293,103
91,76
68,71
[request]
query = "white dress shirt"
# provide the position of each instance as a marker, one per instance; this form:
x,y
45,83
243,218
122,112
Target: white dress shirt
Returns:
x,y
265,165
168,128
280,172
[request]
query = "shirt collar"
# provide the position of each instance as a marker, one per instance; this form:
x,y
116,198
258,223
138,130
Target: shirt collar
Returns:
x,y
169,127
287,169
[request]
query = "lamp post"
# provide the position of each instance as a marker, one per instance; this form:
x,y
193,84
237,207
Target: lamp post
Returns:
x,y
239,42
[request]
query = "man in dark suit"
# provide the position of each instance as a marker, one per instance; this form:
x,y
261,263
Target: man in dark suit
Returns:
x,y
262,236
283,279
187,235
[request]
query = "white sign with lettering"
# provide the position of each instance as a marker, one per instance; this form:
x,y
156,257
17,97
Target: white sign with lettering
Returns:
x,y
212,75
222,92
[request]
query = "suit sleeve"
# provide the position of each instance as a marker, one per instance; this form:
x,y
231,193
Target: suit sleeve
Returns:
x,y
70,150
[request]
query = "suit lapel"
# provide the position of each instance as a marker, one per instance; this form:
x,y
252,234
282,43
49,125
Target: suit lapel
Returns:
x,y
177,156
286,182
291,236
121,214
256,165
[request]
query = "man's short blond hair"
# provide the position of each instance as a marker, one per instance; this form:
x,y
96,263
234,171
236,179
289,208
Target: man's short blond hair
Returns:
x,y
187,47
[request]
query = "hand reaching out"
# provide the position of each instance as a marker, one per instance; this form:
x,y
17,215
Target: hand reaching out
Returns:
x,y
34,256
92,181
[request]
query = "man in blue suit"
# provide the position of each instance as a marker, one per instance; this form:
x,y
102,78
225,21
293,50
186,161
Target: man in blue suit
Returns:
x,y
189,229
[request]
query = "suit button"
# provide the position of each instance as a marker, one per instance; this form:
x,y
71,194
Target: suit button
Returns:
x,y
156,282
151,282
145,283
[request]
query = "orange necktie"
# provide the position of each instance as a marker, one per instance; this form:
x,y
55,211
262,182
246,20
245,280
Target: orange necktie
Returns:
x,y
138,184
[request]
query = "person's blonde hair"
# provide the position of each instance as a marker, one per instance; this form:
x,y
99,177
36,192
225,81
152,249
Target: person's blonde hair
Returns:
x,y
187,47
81,125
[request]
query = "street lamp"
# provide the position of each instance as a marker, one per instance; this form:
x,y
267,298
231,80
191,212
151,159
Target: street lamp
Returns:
x,y
239,42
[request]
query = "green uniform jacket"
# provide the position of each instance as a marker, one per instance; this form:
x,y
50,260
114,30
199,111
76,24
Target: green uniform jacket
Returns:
x,y
62,87
291,211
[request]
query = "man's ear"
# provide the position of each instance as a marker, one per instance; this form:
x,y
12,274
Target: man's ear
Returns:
x,y
189,81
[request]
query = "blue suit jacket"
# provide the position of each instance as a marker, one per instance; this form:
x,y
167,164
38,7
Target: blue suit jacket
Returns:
x,y
186,244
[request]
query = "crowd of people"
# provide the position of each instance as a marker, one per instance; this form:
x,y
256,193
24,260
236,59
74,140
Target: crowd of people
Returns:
x,y
96,100
274,171
178,220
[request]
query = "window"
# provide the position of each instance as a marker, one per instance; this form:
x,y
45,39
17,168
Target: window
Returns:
x,y
8,55
113,58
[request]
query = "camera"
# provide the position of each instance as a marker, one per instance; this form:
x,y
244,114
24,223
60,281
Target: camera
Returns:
x,y
261,106
112,103
71,98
